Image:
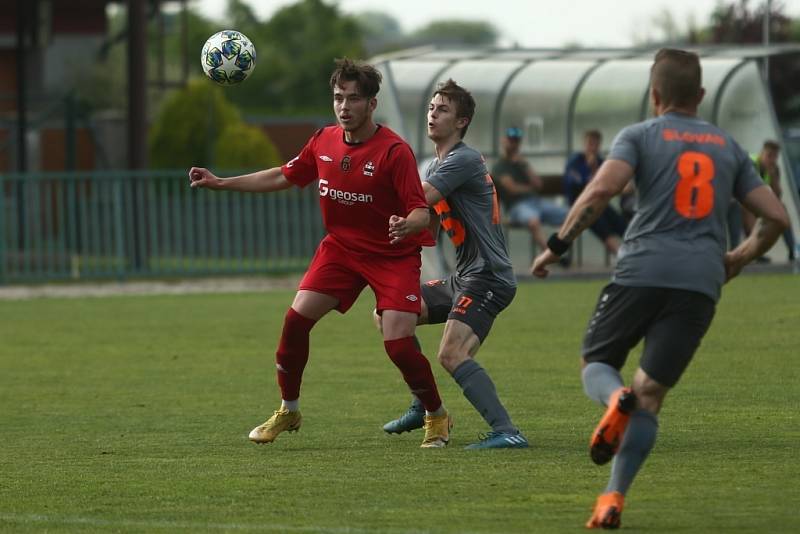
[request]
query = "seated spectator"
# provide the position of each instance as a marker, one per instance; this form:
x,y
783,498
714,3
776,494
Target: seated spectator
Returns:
x,y
580,169
518,186
766,163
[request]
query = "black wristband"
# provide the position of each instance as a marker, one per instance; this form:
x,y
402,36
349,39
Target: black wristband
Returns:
x,y
557,246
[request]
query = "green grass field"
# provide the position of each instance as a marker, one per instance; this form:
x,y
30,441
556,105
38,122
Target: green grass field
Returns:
x,y
130,414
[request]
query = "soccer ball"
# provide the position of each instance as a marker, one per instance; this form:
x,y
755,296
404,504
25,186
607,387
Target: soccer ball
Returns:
x,y
228,57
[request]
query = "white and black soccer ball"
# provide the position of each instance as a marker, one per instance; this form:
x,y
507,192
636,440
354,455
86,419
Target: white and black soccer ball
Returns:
x,y
228,57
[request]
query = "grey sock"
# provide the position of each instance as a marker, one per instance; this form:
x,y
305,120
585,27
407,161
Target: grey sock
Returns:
x,y
640,436
600,380
479,390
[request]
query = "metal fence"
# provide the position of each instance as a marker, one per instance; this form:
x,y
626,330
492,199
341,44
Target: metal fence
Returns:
x,y
121,224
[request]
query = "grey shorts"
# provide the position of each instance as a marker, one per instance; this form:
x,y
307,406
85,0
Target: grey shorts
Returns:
x,y
475,302
672,323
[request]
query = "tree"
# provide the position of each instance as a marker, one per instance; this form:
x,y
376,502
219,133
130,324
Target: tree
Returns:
x,y
379,24
198,126
244,19
731,22
381,31
295,52
735,22
455,31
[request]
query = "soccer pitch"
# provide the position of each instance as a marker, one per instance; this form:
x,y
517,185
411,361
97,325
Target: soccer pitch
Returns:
x,y
131,414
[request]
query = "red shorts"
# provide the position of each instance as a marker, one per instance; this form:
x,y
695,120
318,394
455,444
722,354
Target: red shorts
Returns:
x,y
342,274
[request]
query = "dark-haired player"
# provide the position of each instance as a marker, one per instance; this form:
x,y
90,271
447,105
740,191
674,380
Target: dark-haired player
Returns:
x,y
368,180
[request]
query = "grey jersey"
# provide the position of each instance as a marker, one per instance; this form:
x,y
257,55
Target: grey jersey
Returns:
x,y
686,171
470,215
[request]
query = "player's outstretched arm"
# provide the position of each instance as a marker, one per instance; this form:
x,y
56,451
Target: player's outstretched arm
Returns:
x,y
771,223
611,179
434,224
400,227
264,181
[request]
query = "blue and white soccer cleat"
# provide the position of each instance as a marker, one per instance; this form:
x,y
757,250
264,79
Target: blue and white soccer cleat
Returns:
x,y
413,419
500,440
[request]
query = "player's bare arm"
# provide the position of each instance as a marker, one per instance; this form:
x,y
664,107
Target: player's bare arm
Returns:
x,y
415,222
432,195
611,179
771,223
264,181
434,224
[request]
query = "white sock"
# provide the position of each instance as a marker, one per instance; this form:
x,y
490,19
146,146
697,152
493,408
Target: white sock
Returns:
x,y
440,411
292,406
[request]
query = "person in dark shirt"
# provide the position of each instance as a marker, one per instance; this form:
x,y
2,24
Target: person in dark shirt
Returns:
x,y
580,169
517,187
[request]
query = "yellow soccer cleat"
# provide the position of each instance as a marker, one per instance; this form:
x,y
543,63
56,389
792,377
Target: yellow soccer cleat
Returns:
x,y
282,420
437,431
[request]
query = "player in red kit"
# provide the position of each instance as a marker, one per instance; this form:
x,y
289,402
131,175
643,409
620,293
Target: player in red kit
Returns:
x,y
367,177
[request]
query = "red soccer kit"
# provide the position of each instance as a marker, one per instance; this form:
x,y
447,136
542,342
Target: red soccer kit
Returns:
x,y
361,185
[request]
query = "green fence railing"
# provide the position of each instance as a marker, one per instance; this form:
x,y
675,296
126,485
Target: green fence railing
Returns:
x,y
120,224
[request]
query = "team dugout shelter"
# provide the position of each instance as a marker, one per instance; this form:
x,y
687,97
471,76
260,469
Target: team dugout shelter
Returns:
x,y
556,95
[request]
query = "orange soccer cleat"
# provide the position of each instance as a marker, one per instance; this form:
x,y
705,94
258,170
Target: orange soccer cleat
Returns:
x,y
608,434
608,511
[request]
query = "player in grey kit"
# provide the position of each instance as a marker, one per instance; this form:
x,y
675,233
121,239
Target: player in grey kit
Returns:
x,y
671,266
458,187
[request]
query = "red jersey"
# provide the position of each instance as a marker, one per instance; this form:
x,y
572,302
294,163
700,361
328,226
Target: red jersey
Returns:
x,y
360,186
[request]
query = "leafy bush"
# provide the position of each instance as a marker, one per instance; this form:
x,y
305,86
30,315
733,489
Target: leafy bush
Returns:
x,y
242,146
188,125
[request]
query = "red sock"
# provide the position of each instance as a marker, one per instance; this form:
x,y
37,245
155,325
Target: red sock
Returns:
x,y
416,371
292,353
